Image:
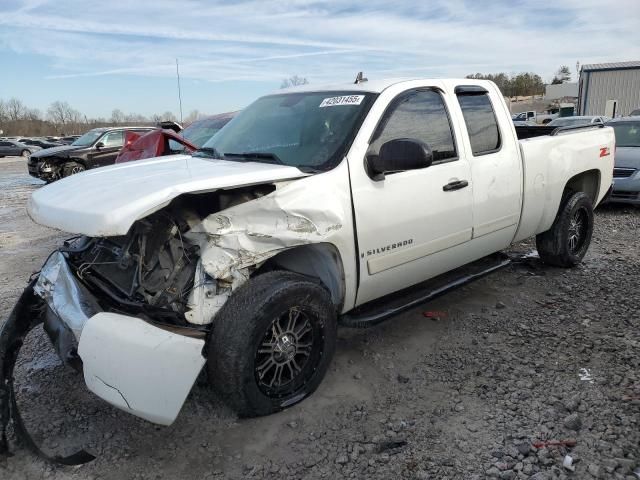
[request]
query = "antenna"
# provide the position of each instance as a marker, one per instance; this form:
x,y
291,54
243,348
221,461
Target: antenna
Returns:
x,y
179,91
360,78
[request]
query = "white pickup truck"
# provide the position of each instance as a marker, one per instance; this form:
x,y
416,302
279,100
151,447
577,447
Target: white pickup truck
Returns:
x,y
308,210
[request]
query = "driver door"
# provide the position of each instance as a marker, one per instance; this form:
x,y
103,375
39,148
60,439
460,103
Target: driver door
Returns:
x,y
408,222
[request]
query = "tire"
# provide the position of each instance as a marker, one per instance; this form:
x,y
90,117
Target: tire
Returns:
x,y
256,315
25,153
71,168
567,241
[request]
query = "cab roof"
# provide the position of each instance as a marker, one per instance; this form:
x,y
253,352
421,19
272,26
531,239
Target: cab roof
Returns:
x,y
373,86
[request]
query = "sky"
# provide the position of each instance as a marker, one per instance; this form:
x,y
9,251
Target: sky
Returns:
x,y
103,55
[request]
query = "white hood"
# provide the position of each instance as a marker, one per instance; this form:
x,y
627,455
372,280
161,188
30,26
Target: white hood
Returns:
x,y
107,201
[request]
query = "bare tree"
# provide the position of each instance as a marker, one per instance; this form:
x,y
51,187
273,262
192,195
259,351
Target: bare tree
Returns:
x,y
15,109
168,117
117,116
58,112
192,117
3,111
293,81
32,114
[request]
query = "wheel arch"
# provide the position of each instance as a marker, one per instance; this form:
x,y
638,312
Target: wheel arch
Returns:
x,y
587,182
321,261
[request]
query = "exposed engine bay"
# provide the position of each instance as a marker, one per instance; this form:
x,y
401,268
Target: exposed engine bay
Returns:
x,y
150,268
151,271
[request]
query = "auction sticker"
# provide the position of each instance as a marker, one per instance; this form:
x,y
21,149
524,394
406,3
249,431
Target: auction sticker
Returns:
x,y
344,100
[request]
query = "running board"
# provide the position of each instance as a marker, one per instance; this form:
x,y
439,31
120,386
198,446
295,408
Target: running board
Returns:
x,y
376,311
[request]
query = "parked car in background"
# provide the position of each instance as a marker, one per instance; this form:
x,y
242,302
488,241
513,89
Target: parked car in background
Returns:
x,y
157,143
626,173
169,141
96,148
10,148
524,123
68,140
635,113
524,116
578,120
39,142
200,131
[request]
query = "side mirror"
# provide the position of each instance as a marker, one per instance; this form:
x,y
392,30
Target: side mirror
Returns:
x,y
399,155
99,145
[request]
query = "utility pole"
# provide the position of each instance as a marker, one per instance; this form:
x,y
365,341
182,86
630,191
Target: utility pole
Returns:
x,y
179,91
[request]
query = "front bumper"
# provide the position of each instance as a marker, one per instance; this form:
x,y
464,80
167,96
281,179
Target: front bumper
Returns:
x,y
626,189
42,169
132,364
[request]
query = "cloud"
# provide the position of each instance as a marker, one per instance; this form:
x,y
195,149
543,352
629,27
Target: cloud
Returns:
x,y
268,40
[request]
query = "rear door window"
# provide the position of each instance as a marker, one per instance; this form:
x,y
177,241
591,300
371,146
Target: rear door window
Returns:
x,y
482,126
113,139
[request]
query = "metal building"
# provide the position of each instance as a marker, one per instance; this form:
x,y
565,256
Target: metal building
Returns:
x,y
607,86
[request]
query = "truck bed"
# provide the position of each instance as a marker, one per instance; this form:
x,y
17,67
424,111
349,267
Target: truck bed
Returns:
x,y
551,160
524,132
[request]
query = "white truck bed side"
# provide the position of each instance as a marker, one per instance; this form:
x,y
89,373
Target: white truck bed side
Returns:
x,y
550,162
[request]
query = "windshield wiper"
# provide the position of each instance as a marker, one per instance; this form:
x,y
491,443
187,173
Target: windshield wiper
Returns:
x,y
209,152
257,155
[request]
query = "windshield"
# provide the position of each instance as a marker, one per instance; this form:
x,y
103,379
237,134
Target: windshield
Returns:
x,y
306,129
627,134
88,138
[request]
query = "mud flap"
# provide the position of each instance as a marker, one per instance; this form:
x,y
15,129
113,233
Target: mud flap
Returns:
x,y
26,314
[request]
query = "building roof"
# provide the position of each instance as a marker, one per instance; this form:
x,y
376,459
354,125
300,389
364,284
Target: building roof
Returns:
x,y
611,66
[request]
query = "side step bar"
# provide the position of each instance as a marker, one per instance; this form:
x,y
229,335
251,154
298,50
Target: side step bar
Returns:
x,y
376,311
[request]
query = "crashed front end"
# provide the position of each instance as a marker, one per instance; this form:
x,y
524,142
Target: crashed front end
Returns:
x,y
133,311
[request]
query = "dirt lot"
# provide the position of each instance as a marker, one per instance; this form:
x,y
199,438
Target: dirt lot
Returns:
x,y
529,354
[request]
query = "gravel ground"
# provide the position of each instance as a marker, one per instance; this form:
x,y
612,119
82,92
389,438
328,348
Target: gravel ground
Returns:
x,y
500,379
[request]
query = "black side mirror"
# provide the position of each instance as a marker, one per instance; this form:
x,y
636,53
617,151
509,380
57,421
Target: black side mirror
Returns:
x,y
399,155
99,145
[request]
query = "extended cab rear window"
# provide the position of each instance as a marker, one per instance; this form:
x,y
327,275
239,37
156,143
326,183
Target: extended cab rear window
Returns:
x,y
480,119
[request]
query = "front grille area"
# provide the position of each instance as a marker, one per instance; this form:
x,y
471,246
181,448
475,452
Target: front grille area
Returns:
x,y
621,172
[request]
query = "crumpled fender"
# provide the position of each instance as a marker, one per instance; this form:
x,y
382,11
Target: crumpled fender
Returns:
x,y
240,238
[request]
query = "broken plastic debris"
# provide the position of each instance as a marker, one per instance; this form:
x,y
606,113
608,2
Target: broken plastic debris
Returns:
x,y
585,375
568,463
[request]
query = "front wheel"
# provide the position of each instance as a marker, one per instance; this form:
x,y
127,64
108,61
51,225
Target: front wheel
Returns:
x,y
567,241
25,153
71,168
272,343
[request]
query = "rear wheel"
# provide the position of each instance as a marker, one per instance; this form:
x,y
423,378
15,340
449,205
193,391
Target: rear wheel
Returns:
x,y
567,241
71,168
272,343
25,153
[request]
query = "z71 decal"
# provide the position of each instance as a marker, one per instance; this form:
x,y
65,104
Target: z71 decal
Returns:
x,y
604,152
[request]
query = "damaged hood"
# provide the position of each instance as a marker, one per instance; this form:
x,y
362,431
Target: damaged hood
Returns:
x,y
107,201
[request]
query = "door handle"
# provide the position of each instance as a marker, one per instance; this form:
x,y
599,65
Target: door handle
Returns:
x,y
455,185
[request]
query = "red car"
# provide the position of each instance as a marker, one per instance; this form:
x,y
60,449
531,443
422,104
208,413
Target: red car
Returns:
x,y
167,141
